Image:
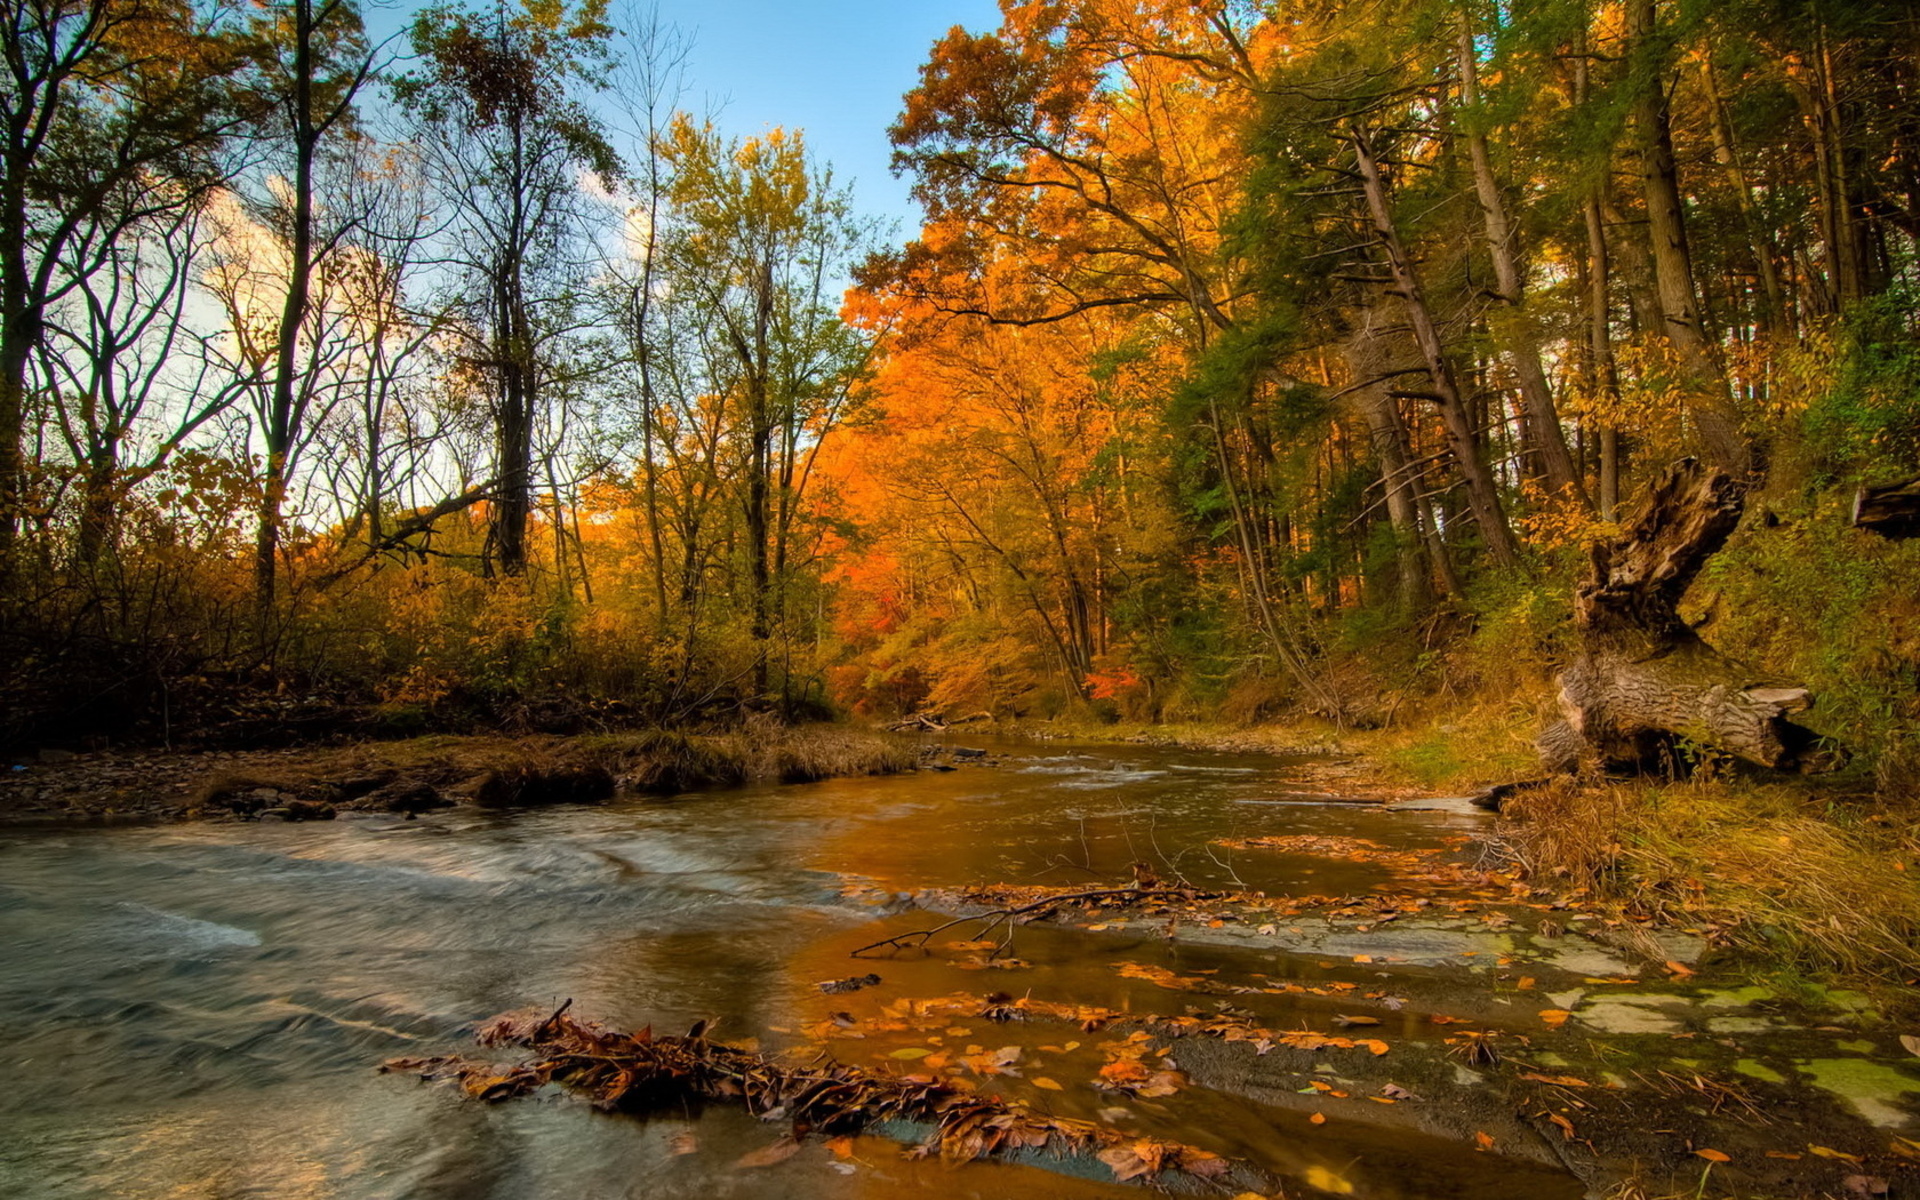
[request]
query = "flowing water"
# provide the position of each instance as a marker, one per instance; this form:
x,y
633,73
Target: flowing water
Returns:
x,y
197,1010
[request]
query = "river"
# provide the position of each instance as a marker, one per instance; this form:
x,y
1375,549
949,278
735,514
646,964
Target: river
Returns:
x,y
197,1010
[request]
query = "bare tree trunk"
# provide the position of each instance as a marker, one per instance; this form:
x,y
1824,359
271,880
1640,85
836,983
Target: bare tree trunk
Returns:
x,y
513,499
1604,378
1544,434
278,424
19,333
1482,496
1681,321
1388,436
1759,243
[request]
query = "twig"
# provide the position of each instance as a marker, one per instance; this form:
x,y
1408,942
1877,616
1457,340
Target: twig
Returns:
x,y
998,915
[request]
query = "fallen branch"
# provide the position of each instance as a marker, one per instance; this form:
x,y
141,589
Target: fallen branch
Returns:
x,y
996,917
638,1072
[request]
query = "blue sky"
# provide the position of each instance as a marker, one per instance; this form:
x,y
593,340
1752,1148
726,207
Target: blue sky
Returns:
x,y
835,68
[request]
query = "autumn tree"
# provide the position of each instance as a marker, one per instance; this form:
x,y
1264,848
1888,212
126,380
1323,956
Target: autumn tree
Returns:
x,y
506,132
759,239
103,98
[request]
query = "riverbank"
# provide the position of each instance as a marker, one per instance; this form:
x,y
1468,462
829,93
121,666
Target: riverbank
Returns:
x,y
1815,876
422,774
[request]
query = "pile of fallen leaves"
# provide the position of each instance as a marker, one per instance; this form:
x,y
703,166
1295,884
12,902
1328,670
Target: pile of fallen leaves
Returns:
x,y
639,1073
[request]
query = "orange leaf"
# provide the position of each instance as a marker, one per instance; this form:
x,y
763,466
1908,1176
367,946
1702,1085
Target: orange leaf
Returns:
x,y
1041,1081
1713,1156
1318,1118
1554,1017
1484,1140
1679,969
767,1156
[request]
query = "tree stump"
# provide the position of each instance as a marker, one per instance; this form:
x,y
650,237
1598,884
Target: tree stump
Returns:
x,y
1643,680
1890,509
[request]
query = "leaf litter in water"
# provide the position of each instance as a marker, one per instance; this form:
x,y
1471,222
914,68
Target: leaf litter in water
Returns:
x,y
640,1072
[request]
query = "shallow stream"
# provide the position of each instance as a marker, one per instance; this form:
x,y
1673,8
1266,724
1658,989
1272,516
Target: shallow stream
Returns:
x,y
197,1010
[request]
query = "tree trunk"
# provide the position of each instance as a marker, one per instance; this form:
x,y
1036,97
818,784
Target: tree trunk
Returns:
x,y
1680,317
1515,333
1366,360
1482,496
1643,681
1890,510
19,334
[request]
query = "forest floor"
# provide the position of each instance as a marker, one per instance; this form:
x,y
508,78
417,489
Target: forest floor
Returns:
x,y
421,774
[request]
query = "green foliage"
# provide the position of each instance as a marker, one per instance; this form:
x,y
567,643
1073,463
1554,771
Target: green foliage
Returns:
x,y
1835,608
1864,415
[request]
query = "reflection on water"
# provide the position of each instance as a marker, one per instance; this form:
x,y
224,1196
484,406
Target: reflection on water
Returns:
x,y
195,1011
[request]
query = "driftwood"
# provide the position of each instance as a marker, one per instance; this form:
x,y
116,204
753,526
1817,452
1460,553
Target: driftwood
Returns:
x,y
934,721
994,918
1643,680
641,1073
1890,509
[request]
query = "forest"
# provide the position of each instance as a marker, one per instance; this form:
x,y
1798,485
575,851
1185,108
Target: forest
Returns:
x,y
1288,430
1252,361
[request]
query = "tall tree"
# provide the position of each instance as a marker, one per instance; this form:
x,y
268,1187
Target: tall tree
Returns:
x,y
319,61
761,235
505,129
100,96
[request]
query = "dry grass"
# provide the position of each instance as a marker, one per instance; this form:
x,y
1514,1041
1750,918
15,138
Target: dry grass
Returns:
x,y
665,762
1804,879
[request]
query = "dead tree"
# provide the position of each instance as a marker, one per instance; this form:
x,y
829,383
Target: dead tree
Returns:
x,y
1891,510
1643,680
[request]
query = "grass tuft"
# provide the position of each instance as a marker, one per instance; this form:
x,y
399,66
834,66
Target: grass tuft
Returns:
x,y
1797,878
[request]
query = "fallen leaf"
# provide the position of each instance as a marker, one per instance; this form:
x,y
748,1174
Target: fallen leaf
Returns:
x,y
1678,969
1786,1155
1484,1140
1525,984
1123,1162
841,1147
1713,1156
1830,1152
767,1156
1349,1022
1318,1118
910,1052
1554,1017
1911,1042
1566,1126
1377,1046
1363,958
1041,1081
